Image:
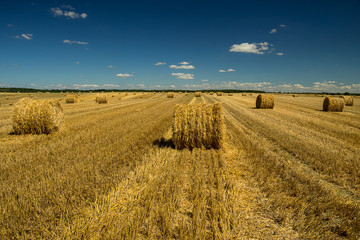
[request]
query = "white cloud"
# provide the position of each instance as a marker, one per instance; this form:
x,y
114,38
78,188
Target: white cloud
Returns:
x,y
205,80
280,53
160,63
182,67
27,36
329,81
184,63
273,30
110,66
172,86
125,75
60,11
229,70
86,85
183,75
282,25
111,85
75,42
257,48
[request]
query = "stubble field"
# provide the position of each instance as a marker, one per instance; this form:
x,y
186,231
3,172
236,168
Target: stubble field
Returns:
x,y
112,172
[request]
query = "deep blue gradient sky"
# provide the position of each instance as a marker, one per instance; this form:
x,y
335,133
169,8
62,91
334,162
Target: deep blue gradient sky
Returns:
x,y
115,44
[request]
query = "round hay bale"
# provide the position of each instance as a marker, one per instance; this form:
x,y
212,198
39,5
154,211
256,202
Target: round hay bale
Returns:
x,y
37,116
198,126
333,104
349,100
101,98
219,93
244,94
230,94
197,94
265,101
211,93
294,95
250,94
170,95
71,98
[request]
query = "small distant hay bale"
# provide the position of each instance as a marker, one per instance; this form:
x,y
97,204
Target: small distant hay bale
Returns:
x,y
134,93
244,94
250,94
211,93
170,95
198,126
331,104
101,98
349,100
71,98
219,93
119,98
197,94
37,116
294,95
265,101
230,94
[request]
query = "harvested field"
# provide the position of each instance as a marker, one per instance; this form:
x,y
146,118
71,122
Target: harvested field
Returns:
x,y
289,173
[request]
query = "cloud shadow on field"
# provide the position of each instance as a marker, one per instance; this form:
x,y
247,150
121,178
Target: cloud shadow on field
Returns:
x,y
164,143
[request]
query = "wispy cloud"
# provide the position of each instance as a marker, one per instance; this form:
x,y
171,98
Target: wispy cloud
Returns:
x,y
160,63
110,66
280,53
10,25
27,36
184,63
257,48
74,42
77,62
187,76
86,85
183,66
67,11
282,25
228,70
124,75
111,85
273,30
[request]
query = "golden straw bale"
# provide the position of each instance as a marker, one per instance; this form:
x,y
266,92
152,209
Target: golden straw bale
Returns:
x,y
101,98
244,94
333,104
230,94
349,100
170,95
71,98
211,93
219,93
197,94
250,94
37,116
198,126
265,101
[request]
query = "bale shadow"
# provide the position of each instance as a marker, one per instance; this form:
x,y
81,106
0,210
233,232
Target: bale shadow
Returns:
x,y
164,143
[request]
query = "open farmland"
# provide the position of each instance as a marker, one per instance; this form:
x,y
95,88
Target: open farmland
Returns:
x,y
112,172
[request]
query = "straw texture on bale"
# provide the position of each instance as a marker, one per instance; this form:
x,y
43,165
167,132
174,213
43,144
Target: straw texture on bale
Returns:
x,y
101,98
265,101
349,100
218,93
170,95
198,126
333,104
211,93
197,94
37,116
71,98
230,94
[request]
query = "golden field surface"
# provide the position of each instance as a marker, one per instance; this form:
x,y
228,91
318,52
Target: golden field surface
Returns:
x,y
292,172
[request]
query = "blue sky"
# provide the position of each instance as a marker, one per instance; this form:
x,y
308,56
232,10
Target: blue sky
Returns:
x,y
259,45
